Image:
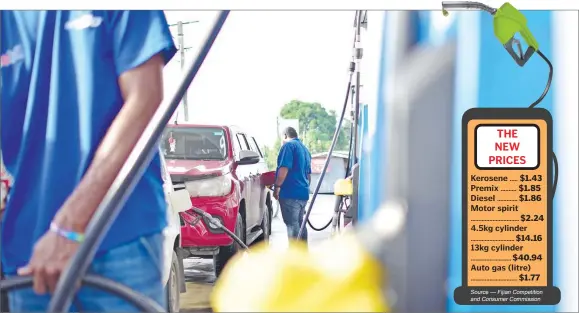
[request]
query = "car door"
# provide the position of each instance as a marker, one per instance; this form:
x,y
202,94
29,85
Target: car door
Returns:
x,y
260,169
244,174
173,228
254,213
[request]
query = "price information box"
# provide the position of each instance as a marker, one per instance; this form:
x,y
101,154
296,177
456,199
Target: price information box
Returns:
x,y
507,208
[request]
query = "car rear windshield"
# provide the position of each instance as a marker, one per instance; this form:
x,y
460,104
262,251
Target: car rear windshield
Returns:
x,y
194,143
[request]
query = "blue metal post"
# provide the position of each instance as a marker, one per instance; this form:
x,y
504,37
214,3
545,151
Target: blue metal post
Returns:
x,y
486,76
374,151
363,197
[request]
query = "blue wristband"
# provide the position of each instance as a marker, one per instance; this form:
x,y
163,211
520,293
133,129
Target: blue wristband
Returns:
x,y
70,235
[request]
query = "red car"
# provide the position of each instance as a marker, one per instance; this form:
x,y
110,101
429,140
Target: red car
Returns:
x,y
5,180
224,171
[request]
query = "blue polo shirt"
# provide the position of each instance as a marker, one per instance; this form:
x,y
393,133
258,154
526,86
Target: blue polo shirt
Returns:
x,y
60,94
295,156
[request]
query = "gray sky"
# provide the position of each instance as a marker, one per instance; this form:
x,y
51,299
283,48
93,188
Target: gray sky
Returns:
x,y
260,61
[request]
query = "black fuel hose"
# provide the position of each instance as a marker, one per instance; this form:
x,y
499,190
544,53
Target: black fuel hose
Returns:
x,y
345,176
336,133
535,103
216,222
321,228
328,158
141,302
312,226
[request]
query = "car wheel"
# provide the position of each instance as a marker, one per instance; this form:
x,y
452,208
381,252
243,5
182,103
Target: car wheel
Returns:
x,y
225,253
265,225
173,289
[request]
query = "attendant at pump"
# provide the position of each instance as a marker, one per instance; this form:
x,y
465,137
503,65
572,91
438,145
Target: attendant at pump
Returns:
x,y
292,183
78,90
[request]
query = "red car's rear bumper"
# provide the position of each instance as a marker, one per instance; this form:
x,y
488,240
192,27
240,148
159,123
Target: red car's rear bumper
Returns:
x,y
194,230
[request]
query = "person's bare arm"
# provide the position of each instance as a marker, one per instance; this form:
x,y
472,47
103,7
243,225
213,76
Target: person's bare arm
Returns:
x,y
142,91
281,175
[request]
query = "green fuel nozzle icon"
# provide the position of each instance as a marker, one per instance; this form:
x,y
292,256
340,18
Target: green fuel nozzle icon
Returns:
x,y
507,22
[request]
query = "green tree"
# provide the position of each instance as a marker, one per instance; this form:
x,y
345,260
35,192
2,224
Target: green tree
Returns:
x,y
270,154
317,127
344,138
314,120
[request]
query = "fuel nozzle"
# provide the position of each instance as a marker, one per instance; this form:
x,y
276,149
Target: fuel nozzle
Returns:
x,y
507,22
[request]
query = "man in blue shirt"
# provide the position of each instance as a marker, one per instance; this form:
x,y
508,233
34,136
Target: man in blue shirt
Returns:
x,y
292,184
78,89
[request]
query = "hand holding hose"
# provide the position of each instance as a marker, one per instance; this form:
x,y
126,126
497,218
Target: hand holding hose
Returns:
x,y
50,256
53,251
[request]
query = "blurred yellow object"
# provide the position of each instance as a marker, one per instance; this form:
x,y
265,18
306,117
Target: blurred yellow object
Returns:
x,y
340,276
343,187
